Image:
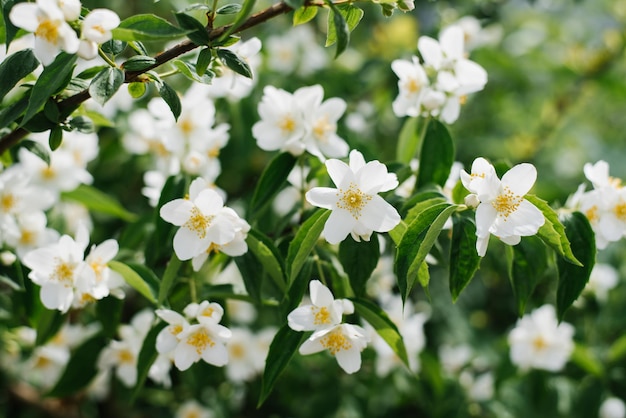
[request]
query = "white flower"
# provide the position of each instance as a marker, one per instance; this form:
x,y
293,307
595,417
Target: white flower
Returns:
x,y
204,311
202,341
96,29
503,211
412,85
357,209
70,9
324,312
47,21
232,85
282,123
321,138
479,388
18,195
29,232
167,339
201,222
246,355
57,267
612,408
539,341
192,409
344,341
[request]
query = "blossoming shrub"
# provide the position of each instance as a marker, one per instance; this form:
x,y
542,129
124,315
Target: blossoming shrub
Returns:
x,y
280,229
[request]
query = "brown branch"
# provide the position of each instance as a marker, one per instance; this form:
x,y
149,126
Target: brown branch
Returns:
x,y
72,102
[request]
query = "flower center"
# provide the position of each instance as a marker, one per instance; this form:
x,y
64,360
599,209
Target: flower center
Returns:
x,y
620,211
335,341
413,85
7,202
63,273
592,214
186,126
175,329
125,356
321,128
48,30
27,237
237,351
539,343
353,200
321,316
48,173
288,125
506,203
200,340
198,222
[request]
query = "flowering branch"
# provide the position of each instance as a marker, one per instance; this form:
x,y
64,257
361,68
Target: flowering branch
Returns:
x,y
12,138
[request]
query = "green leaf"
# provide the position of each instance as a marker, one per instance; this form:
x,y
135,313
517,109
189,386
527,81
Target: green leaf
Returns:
x,y
436,155
9,28
9,114
304,14
250,267
268,255
138,63
359,259
171,98
416,243
147,27
464,259
234,62
617,351
55,138
573,278
114,47
304,242
82,124
527,263
229,9
14,68
341,21
297,288
204,59
169,277
423,276
48,324
136,89
52,80
37,149
420,206
384,326
189,71
80,369
584,358
147,356
409,139
105,84
197,31
133,279
282,349
97,201
552,232
272,180
397,232
246,9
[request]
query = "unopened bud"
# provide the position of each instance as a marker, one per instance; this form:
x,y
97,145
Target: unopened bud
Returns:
x,y
7,258
472,201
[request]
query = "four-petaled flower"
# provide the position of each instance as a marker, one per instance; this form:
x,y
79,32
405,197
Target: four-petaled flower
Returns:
x,y
325,311
357,209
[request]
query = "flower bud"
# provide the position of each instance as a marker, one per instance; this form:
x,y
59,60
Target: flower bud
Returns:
x,y
472,201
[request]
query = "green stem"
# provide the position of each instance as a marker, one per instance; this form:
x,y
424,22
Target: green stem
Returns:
x,y
106,58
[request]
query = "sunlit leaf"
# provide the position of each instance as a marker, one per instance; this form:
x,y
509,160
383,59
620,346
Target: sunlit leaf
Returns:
x,y
169,277
268,255
189,71
97,201
436,155
133,279
304,242
409,139
304,14
147,27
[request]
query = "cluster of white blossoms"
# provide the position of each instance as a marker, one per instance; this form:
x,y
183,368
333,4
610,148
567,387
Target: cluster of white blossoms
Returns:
x,y
191,144
356,207
300,122
234,86
194,336
324,318
604,205
539,341
52,22
501,208
439,85
206,225
295,51
68,278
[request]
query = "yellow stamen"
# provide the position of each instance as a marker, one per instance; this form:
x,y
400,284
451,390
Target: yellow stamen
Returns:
x,y
48,30
7,202
288,125
63,273
507,203
200,340
353,200
335,341
321,316
592,214
198,222
620,211
539,343
413,85
237,351
321,129
125,356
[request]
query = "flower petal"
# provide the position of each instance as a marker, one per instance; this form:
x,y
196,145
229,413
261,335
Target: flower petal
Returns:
x,y
379,215
338,226
520,179
323,197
